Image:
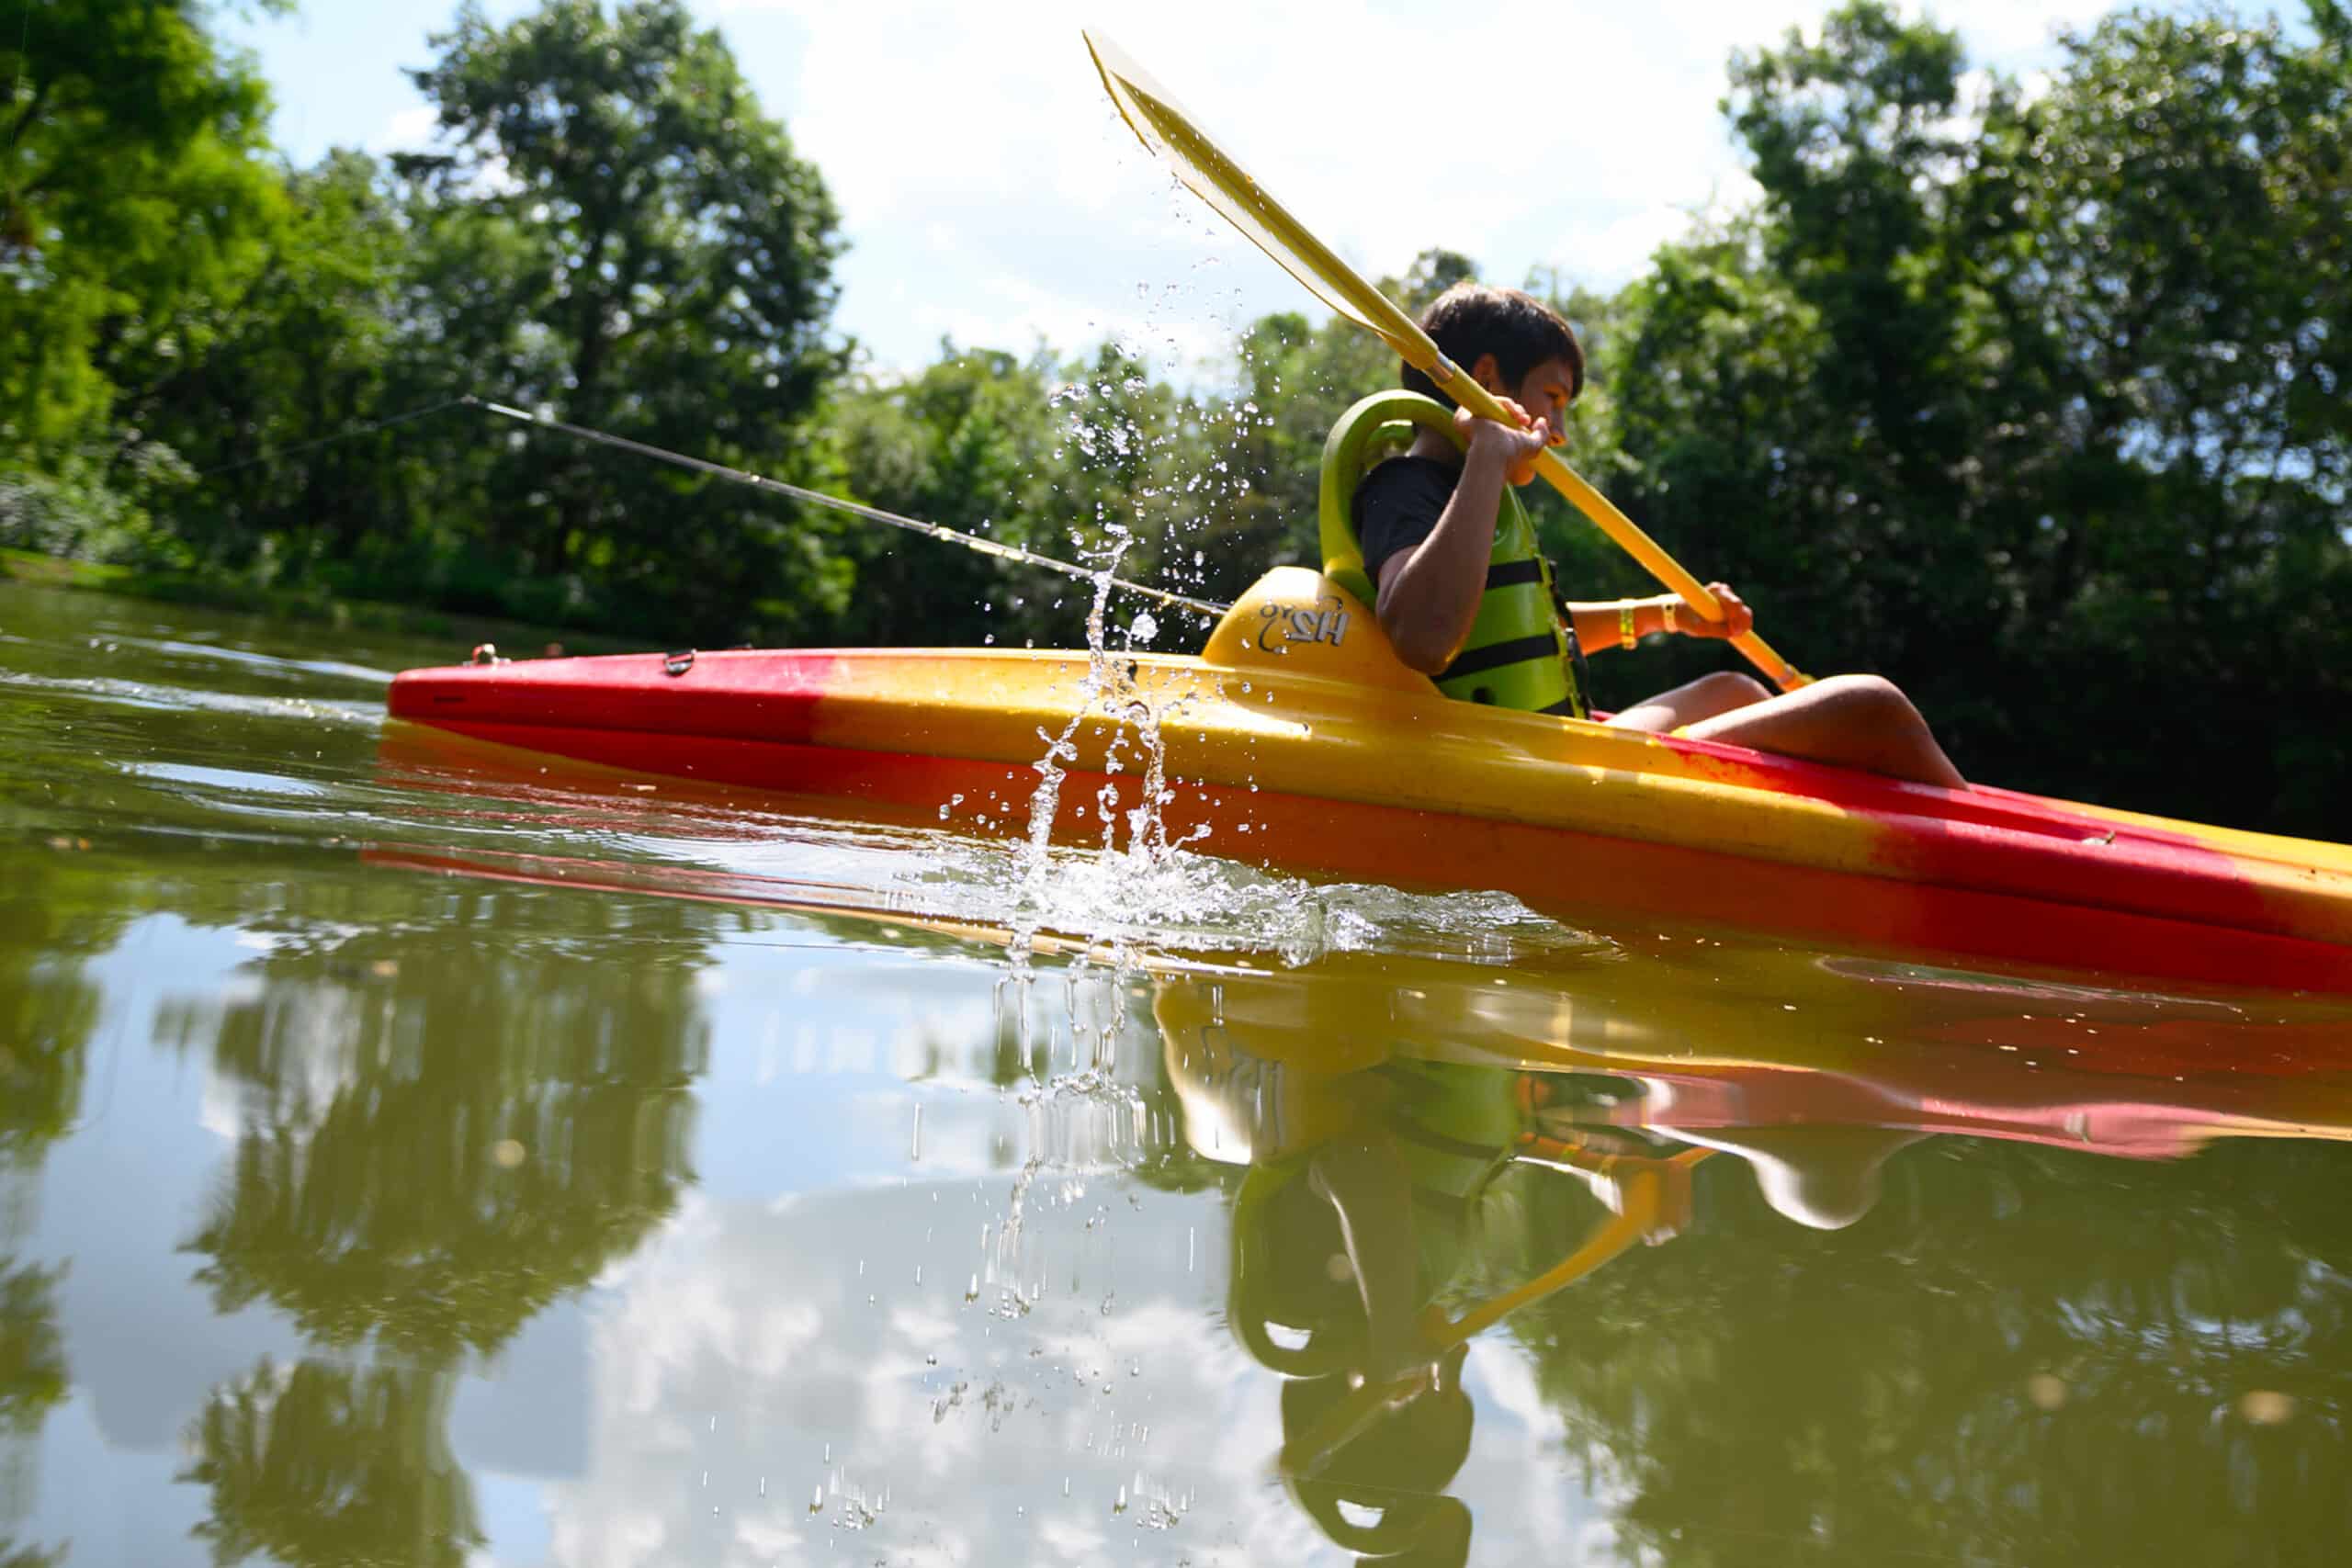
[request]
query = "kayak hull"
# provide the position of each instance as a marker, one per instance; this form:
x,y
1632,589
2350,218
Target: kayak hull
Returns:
x,y
1309,753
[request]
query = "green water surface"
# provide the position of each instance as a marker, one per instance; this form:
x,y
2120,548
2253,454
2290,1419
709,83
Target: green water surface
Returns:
x,y
410,1156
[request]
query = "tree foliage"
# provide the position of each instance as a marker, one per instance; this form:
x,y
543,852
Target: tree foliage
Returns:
x,y
133,195
663,260
2041,416
2034,400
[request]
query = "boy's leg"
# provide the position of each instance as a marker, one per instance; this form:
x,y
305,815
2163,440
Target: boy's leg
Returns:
x,y
1706,697
1854,721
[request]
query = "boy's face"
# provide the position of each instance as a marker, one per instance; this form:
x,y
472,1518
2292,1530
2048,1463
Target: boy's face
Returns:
x,y
1544,391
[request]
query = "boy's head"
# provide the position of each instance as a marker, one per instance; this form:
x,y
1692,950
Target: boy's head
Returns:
x,y
1471,321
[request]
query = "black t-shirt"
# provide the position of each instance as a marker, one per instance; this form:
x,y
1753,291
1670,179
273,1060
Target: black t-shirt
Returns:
x,y
1397,505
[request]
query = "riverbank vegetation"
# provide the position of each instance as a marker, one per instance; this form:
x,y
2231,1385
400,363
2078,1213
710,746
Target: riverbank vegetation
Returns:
x,y
2034,398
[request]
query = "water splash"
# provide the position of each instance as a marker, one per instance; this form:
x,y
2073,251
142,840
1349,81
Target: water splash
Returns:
x,y
1128,873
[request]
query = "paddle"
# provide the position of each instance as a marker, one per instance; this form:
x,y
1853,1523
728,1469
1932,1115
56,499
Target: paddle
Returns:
x,y
1171,135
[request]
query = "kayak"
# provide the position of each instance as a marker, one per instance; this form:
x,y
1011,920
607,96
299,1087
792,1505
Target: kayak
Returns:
x,y
1296,738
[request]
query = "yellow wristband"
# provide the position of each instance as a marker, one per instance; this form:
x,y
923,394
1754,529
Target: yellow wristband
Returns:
x,y
1625,638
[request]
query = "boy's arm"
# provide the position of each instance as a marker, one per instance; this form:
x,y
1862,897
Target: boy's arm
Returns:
x,y
1429,595
1600,625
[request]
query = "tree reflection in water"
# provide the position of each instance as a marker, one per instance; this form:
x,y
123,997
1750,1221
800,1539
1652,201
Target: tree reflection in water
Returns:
x,y
32,1382
60,910
449,1123
2017,1352
324,1464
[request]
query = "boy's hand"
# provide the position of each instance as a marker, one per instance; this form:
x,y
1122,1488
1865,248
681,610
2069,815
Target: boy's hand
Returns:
x,y
1517,446
1737,617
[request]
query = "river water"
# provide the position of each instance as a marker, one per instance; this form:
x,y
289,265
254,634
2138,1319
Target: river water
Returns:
x,y
411,1155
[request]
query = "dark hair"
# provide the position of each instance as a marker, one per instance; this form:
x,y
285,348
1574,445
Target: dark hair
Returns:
x,y
1520,331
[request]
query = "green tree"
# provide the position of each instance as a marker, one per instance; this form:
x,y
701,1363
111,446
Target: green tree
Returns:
x,y
306,359
1071,458
971,441
2163,354
1294,381
652,228
2042,420
133,196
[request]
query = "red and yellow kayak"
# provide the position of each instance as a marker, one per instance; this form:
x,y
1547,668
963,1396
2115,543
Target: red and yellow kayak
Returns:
x,y
1296,738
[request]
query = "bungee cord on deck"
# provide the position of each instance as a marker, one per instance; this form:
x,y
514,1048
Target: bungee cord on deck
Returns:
x,y
757,481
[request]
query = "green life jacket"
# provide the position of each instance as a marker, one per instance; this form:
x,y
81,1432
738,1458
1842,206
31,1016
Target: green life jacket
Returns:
x,y
1520,652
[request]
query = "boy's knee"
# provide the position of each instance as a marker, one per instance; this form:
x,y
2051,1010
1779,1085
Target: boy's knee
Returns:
x,y
1728,689
1869,694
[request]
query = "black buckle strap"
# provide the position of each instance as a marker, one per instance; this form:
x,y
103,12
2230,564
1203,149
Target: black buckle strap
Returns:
x,y
1495,655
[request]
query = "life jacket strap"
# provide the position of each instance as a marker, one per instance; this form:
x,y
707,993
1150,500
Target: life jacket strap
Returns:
x,y
1495,655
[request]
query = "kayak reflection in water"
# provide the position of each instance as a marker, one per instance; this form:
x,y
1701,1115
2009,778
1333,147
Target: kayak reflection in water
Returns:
x,y
1823,1176
1453,605
1363,1213
1328,1283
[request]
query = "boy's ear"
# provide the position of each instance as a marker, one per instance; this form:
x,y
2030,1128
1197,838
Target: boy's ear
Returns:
x,y
1487,374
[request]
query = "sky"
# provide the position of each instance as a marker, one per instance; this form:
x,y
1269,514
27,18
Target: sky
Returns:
x,y
990,195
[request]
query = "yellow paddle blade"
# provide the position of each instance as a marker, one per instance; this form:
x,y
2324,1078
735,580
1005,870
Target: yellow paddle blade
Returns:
x,y
1168,133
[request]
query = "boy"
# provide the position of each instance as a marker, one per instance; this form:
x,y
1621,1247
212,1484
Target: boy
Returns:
x,y
1426,524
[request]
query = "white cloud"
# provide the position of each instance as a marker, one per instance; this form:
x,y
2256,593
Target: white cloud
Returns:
x,y
745,1368
967,146
407,131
